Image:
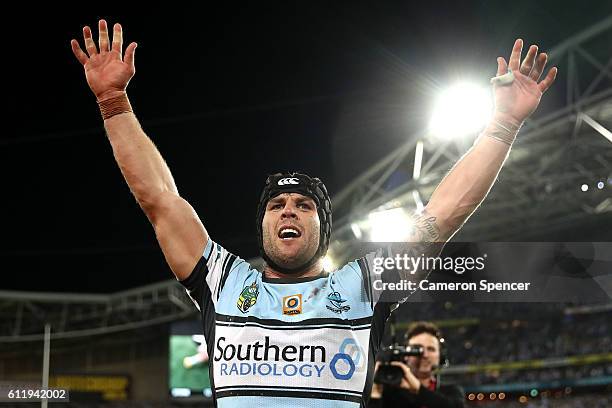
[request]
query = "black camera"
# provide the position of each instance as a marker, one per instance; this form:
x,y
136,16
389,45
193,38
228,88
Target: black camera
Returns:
x,y
391,375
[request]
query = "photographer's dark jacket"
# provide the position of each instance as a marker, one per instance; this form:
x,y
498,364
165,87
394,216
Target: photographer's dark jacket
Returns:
x,y
446,396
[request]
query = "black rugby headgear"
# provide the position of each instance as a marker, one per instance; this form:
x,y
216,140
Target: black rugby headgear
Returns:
x,y
314,188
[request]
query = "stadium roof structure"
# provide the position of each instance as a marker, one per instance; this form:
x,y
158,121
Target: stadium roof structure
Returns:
x,y
539,191
23,315
539,188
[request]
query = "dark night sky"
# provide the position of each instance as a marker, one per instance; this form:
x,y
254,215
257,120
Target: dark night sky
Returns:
x,y
229,95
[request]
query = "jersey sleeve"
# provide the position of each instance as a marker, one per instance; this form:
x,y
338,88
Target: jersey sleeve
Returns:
x,y
211,273
368,274
392,273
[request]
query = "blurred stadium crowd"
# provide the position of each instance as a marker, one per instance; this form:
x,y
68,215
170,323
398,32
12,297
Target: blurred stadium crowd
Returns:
x,y
537,354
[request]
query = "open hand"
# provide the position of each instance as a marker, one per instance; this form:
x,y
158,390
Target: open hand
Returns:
x,y
516,101
107,73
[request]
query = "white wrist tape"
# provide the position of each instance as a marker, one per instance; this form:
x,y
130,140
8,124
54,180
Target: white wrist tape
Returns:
x,y
504,132
502,80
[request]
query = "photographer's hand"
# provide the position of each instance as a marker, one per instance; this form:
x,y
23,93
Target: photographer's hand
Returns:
x,y
409,380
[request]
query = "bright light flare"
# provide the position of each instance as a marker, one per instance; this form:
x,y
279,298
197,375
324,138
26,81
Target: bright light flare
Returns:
x,y
461,110
328,263
392,225
356,230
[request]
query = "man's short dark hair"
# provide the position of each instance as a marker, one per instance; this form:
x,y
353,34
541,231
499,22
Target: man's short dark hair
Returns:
x,y
417,328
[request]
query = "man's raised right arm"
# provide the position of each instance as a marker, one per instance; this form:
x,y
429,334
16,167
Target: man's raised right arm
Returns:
x,y
179,231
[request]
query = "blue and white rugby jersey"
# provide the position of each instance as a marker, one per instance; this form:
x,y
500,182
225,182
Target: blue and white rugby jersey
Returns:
x,y
282,343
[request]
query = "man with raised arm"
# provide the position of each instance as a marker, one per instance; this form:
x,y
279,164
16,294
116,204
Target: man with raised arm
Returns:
x,y
291,334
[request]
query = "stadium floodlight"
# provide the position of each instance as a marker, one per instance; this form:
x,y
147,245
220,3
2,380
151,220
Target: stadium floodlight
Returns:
x,y
392,225
461,110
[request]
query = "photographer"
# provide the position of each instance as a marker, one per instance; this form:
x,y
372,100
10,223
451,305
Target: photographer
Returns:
x,y
411,382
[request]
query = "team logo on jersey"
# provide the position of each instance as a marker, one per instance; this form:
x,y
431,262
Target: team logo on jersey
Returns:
x,y
248,297
288,180
336,301
348,360
292,305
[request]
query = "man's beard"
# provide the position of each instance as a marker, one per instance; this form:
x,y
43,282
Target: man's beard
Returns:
x,y
291,264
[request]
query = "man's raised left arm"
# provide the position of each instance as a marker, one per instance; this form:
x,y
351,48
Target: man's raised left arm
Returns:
x,y
518,91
